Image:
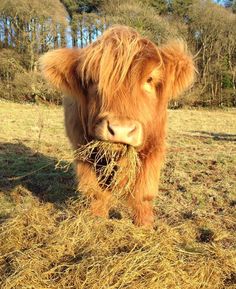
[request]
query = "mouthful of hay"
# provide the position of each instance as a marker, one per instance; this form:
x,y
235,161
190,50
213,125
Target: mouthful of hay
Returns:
x,y
116,165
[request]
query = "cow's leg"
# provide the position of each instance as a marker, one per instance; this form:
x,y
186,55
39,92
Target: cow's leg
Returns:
x,y
143,211
145,191
87,184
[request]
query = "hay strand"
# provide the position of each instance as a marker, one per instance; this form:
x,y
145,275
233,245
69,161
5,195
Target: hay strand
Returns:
x,y
116,165
42,246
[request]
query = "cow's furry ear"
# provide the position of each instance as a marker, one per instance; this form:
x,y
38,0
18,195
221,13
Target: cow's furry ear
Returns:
x,y
179,69
60,67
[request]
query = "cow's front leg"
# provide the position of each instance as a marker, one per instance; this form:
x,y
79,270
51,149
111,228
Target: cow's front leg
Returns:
x,y
88,184
141,201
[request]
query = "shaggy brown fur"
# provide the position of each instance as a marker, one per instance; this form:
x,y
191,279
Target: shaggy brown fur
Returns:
x,y
117,89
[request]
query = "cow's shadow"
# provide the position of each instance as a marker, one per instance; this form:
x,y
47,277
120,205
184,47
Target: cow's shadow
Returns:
x,y
215,136
20,165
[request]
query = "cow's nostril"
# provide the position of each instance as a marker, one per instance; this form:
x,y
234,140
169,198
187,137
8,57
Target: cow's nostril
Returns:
x,y
111,131
132,130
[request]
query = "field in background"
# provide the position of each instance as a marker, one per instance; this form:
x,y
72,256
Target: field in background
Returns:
x,y
48,239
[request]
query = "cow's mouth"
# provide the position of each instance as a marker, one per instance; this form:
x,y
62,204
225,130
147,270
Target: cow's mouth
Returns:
x,y
113,163
101,161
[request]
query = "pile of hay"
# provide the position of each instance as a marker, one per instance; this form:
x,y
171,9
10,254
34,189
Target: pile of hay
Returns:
x,y
42,246
116,165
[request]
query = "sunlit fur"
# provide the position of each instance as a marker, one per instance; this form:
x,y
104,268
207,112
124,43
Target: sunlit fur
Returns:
x,y
114,57
127,76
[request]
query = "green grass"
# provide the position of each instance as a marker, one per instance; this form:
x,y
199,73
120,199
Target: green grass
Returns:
x,y
48,239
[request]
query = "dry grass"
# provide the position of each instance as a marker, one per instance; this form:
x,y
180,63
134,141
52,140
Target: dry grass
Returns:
x,y
48,238
113,163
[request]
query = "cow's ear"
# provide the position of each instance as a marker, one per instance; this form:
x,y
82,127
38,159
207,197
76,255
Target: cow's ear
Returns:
x,y
60,69
179,69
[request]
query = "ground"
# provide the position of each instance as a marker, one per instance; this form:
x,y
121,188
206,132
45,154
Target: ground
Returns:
x,y
48,238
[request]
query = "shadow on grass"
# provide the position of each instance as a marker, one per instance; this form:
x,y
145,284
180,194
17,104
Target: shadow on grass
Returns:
x,y
20,165
215,136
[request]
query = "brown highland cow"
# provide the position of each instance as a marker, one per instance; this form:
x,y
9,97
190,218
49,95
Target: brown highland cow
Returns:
x,y
117,90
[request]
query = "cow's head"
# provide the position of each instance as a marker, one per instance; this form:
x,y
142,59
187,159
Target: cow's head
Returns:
x,y
122,83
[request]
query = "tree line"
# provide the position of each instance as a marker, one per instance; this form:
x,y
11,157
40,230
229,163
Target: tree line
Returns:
x,y
29,28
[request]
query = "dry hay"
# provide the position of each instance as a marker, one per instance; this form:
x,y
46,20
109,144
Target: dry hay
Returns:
x,y
45,247
114,164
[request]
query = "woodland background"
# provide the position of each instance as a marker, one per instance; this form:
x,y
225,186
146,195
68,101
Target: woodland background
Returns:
x,y
29,28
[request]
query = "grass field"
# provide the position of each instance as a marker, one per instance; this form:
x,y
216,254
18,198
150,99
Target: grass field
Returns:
x,y
48,239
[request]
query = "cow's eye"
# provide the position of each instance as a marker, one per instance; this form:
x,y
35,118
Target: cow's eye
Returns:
x,y
149,80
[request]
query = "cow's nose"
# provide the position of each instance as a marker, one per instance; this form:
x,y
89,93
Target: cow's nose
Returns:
x,y
128,133
121,131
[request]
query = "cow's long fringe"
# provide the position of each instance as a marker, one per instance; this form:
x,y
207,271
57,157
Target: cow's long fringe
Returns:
x,y
109,60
